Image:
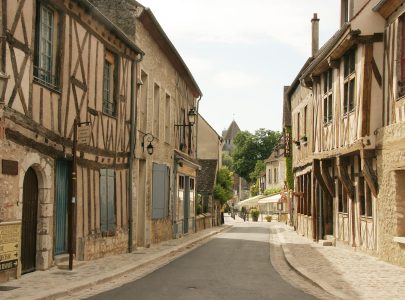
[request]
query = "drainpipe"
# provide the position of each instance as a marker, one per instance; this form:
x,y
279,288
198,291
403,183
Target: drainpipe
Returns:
x,y
196,129
132,143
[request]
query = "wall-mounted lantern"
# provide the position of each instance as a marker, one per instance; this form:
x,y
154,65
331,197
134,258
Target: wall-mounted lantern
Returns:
x,y
149,139
191,117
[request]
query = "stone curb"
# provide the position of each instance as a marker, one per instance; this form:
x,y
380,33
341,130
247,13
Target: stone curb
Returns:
x,y
304,273
122,271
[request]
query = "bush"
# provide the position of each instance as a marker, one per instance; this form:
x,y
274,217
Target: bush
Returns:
x,y
272,191
255,214
268,218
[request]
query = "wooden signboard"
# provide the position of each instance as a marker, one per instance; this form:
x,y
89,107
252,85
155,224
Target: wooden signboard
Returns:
x,y
83,135
10,234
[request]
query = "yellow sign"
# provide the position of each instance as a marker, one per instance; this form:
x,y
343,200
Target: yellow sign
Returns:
x,y
10,234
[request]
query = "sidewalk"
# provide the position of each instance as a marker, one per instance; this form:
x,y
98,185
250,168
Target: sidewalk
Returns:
x,y
344,273
55,282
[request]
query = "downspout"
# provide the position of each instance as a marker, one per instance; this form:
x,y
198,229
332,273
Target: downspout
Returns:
x,y
196,129
132,143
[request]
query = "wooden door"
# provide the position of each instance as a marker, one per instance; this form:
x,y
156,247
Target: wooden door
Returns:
x,y
29,222
63,178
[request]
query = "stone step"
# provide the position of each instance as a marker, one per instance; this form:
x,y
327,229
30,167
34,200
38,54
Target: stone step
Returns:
x,y
326,242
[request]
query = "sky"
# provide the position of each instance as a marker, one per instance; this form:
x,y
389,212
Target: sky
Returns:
x,y
242,53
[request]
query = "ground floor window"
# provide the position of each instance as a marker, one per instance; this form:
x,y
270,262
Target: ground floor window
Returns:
x,y
107,201
400,201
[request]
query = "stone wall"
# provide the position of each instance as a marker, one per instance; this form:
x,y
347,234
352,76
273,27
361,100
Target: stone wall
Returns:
x,y
11,198
390,168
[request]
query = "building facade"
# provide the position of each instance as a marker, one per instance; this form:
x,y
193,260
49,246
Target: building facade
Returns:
x,y
337,185
390,137
65,62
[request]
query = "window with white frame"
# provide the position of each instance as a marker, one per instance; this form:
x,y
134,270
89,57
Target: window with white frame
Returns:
x,y
109,84
349,91
327,79
46,48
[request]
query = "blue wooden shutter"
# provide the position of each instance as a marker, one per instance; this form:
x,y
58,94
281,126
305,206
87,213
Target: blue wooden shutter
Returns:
x,y
158,191
111,199
103,200
167,191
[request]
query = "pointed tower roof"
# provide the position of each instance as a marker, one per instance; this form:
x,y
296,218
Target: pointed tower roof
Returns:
x,y
232,131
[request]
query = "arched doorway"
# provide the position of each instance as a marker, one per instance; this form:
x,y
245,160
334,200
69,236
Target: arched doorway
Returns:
x,y
29,222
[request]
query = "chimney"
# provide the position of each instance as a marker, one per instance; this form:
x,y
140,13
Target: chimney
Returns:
x,y
315,34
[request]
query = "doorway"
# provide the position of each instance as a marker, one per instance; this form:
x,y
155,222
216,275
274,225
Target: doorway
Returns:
x,y
29,222
63,184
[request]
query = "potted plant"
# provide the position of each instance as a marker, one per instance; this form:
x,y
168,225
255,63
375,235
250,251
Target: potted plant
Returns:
x,y
304,138
255,214
268,218
297,143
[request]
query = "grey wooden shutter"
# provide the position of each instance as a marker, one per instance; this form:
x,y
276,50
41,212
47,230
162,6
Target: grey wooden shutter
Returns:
x,y
103,200
158,191
111,199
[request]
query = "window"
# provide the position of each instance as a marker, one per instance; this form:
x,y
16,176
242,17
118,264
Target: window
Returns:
x,y
275,176
45,58
191,184
143,102
109,82
181,182
167,119
298,127
107,201
349,61
327,96
160,191
401,51
270,176
156,109
305,121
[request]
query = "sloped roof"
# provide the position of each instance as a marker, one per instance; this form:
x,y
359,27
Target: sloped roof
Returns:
x,y
96,13
150,21
206,176
232,131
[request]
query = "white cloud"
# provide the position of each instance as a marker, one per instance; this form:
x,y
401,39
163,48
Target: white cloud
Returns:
x,y
236,21
231,79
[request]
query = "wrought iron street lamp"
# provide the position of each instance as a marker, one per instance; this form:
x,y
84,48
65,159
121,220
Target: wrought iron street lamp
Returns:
x,y
149,139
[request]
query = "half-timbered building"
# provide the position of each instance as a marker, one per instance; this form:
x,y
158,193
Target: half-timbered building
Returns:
x,y
65,62
165,188
345,83
390,138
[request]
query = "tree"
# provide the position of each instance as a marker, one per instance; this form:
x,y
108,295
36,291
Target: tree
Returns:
x,y
223,187
260,167
249,148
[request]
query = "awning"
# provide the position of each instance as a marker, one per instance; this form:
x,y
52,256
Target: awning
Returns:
x,y
251,202
272,199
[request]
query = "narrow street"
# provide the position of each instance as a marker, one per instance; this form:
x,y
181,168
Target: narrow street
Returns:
x,y
233,265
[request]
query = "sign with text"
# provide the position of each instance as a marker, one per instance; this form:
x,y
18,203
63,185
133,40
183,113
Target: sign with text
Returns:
x,y
10,233
84,135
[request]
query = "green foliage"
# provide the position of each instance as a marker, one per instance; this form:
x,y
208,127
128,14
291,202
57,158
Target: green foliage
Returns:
x,y
288,165
223,187
254,190
198,209
272,191
249,148
227,161
260,167
254,212
268,218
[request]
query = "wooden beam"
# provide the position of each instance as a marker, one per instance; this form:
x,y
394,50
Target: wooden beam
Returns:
x,y
368,172
333,63
327,178
317,172
344,177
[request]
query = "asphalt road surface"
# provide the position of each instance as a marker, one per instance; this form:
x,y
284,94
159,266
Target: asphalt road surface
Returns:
x,y
234,265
